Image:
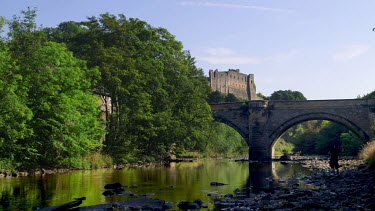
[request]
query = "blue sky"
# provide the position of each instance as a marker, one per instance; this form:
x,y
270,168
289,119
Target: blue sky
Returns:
x,y
322,48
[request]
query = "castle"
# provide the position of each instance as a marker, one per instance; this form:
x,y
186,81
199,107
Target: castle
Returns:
x,y
232,81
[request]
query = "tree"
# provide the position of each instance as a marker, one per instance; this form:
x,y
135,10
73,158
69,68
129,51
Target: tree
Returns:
x,y
14,114
261,96
287,95
231,98
158,95
56,89
218,97
215,97
369,95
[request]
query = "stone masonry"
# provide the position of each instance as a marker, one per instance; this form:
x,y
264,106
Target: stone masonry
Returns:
x,y
262,122
232,81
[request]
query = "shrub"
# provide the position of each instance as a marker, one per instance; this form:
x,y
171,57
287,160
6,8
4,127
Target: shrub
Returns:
x,y
367,153
96,160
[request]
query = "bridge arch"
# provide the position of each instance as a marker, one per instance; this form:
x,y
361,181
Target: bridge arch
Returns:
x,y
275,135
243,134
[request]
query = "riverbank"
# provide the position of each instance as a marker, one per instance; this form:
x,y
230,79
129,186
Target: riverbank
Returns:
x,y
352,189
38,172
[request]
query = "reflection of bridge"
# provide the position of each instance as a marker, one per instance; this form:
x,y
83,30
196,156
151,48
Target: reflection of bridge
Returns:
x,y
262,122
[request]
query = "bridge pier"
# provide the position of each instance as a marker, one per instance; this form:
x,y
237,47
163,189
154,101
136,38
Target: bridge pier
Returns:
x,y
259,154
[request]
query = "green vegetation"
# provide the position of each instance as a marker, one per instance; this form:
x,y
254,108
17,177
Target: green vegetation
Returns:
x,y
367,153
282,147
50,116
318,136
218,97
286,95
225,142
314,137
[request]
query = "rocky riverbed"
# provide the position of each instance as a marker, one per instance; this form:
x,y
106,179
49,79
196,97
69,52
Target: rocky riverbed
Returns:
x,y
352,189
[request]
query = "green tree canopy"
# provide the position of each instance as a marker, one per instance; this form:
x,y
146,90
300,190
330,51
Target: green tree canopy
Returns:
x,y
49,115
287,95
158,95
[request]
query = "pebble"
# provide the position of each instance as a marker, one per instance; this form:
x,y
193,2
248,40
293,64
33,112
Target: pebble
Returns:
x,y
352,189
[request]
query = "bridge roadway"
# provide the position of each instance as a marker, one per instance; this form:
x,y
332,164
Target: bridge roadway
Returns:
x,y
262,122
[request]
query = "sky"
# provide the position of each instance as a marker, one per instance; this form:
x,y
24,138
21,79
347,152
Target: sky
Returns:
x,y
323,48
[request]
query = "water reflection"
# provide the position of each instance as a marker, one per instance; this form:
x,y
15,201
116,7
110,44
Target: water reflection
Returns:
x,y
260,177
180,181
266,176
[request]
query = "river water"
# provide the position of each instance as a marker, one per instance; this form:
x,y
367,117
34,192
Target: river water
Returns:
x,y
179,181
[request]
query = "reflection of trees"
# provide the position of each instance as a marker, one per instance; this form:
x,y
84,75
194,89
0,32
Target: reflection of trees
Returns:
x,y
184,181
283,171
24,192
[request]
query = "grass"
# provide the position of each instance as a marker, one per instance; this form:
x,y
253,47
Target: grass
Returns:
x,y
367,153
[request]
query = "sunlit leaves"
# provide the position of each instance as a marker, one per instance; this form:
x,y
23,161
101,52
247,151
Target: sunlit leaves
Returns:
x,y
158,95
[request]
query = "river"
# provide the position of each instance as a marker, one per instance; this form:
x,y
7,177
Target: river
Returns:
x,y
179,181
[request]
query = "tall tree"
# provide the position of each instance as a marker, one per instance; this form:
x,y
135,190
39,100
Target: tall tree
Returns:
x,y
57,87
14,114
158,95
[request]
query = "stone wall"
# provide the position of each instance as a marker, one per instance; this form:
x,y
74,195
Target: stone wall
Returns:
x,y
262,122
232,81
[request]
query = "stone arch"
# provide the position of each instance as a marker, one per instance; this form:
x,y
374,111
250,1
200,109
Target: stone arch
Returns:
x,y
317,116
235,127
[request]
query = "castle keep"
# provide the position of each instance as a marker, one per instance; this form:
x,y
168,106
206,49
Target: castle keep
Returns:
x,y
232,81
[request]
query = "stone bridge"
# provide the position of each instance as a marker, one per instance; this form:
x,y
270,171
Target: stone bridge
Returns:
x,y
262,122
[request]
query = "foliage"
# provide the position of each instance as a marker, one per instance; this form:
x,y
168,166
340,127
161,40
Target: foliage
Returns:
x,y
368,96
287,95
158,95
218,97
49,115
282,147
318,137
14,114
367,153
261,96
224,141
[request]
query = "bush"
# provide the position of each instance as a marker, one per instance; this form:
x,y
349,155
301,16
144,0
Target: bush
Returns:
x,y
282,147
367,153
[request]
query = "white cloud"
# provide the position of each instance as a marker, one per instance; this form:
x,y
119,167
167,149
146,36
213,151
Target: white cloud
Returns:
x,y
230,6
230,57
220,51
350,52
